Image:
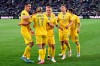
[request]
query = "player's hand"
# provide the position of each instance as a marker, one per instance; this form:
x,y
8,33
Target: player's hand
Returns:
x,y
26,23
51,25
67,27
78,31
32,32
61,28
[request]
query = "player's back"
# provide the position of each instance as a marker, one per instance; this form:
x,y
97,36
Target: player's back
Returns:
x,y
40,21
75,20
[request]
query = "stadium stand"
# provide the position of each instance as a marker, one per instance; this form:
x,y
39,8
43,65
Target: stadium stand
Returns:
x,y
81,7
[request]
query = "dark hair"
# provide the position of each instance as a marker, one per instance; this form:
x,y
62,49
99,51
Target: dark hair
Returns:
x,y
64,5
26,4
71,10
48,5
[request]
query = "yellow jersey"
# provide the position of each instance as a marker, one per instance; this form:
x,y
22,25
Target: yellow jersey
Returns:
x,y
75,20
40,22
25,13
53,20
64,19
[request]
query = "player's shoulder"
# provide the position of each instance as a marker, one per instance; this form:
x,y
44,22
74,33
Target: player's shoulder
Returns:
x,y
52,14
23,11
45,14
69,14
76,16
33,16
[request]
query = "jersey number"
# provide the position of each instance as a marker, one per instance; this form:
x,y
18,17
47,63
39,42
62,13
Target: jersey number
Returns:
x,y
40,21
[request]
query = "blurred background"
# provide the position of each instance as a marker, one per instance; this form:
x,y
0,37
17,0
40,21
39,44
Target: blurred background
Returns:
x,y
82,7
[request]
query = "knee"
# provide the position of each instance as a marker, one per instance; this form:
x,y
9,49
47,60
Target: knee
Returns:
x,y
31,44
77,43
66,42
53,46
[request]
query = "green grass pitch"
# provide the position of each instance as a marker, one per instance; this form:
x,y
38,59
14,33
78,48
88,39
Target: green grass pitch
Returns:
x,y
12,45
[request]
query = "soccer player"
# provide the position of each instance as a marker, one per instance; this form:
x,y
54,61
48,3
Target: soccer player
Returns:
x,y
50,33
74,30
40,21
26,32
64,19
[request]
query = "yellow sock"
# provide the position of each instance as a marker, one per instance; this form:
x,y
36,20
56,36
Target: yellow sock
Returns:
x,y
26,51
53,52
78,48
49,51
63,50
44,53
28,54
65,47
69,48
41,54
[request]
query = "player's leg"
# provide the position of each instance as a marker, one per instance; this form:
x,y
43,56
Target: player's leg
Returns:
x,y
69,48
26,55
75,38
65,47
49,48
52,42
39,44
66,39
41,54
61,42
28,40
77,42
78,49
42,49
44,41
29,52
53,53
63,50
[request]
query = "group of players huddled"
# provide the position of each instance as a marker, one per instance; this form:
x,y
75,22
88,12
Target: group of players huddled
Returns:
x,y
67,23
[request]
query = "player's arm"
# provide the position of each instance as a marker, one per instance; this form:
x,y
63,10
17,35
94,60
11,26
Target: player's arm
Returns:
x,y
78,30
59,27
78,24
26,17
56,23
24,23
31,31
71,22
50,24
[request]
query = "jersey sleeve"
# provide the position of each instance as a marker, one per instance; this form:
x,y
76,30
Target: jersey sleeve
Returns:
x,y
78,19
56,23
32,19
58,18
47,20
23,14
70,17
